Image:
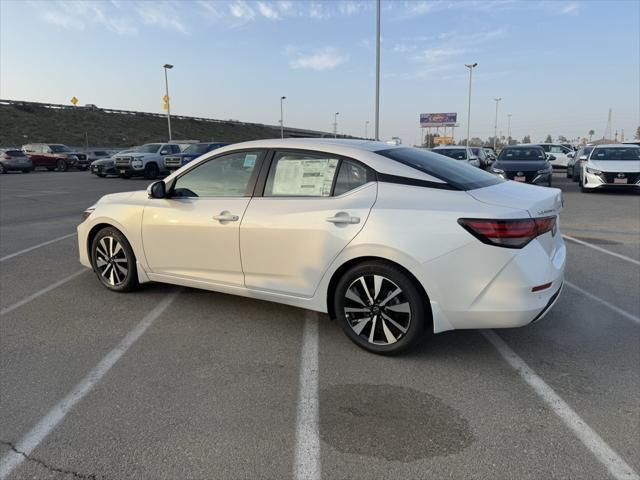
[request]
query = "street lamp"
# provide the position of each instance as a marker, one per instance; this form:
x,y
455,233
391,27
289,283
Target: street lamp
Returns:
x,y
495,125
281,118
377,125
166,67
470,66
335,125
509,127
366,130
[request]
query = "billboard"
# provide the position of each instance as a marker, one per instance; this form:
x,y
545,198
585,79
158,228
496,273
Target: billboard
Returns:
x,y
438,119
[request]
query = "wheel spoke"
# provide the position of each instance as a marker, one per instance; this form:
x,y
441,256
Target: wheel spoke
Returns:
x,y
377,284
122,270
105,249
99,264
120,260
351,295
366,289
111,279
105,270
400,307
354,309
387,333
118,248
358,328
394,323
373,329
392,295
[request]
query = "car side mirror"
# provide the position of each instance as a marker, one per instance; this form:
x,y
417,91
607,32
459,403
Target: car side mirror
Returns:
x,y
583,157
571,154
164,152
552,158
157,190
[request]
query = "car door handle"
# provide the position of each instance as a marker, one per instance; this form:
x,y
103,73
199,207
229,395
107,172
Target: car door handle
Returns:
x,y
226,217
343,219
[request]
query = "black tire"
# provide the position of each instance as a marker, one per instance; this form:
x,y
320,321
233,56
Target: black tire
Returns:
x,y
404,327
101,175
125,175
151,171
569,176
26,170
51,169
109,260
2,169
61,165
549,184
585,190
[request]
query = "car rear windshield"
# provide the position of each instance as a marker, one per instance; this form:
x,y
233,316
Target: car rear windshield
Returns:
x,y
197,148
15,153
59,148
454,173
522,155
616,153
455,153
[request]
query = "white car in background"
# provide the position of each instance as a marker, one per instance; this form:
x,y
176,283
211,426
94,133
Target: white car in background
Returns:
x,y
459,153
611,166
559,152
389,240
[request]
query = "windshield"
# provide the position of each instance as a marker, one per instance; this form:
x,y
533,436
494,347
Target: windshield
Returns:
x,y
149,148
197,149
616,153
456,174
455,153
59,148
522,155
14,153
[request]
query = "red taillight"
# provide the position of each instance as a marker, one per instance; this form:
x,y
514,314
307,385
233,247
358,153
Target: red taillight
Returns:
x,y
6,157
507,233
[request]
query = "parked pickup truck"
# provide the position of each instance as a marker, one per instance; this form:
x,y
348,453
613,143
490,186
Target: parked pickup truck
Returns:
x,y
173,162
55,156
147,160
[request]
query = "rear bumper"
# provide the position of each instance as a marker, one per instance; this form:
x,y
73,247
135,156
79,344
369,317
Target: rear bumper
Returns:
x,y
16,166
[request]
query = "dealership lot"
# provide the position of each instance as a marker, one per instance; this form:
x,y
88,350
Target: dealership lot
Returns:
x,y
208,385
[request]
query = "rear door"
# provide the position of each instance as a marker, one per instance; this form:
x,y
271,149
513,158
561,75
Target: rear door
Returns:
x,y
313,204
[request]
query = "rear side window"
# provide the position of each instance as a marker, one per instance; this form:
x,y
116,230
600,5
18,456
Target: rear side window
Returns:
x,y
294,174
351,175
14,153
457,174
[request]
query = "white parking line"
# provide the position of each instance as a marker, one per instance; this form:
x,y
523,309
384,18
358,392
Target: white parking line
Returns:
x,y
618,310
600,249
307,452
43,244
616,466
42,292
38,433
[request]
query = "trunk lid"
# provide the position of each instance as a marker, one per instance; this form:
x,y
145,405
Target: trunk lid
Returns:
x,y
537,201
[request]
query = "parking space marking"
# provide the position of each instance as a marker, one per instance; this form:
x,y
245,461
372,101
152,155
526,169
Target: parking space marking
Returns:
x,y
24,301
43,244
39,432
616,466
601,301
600,249
307,450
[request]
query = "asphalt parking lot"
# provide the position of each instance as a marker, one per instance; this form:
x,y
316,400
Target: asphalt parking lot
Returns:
x,y
170,383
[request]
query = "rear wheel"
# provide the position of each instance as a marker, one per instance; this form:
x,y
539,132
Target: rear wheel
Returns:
x,y
61,165
26,170
113,260
51,169
2,169
151,171
380,308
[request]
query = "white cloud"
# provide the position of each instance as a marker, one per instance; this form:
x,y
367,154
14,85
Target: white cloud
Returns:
x,y
268,11
433,55
160,14
242,10
571,8
78,15
325,58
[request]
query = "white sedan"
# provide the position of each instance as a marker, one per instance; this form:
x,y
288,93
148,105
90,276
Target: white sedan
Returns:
x,y
611,166
390,241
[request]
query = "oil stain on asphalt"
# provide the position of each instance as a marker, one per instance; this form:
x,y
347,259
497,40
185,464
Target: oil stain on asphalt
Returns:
x,y
391,422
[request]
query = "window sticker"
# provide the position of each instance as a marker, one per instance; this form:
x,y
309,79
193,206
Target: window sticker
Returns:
x,y
304,177
250,160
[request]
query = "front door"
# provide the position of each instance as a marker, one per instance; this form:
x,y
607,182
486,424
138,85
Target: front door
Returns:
x,y
194,234
313,205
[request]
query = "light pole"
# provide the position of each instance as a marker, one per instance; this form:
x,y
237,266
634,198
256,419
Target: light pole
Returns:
x,y
470,66
509,128
366,130
166,67
377,126
495,125
335,125
282,99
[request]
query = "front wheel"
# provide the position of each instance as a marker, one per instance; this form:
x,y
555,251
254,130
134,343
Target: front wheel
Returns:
x,y
151,171
61,165
3,170
113,260
380,308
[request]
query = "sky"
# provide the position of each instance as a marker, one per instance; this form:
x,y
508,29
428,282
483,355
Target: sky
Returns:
x,y
559,66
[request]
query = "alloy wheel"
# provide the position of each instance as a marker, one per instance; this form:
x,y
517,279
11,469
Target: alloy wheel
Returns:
x,y
377,309
111,261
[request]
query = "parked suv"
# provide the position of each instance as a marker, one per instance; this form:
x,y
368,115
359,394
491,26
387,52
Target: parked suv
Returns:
x,y
12,159
560,152
146,160
55,156
194,150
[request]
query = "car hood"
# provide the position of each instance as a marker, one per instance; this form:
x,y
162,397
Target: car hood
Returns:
x,y
615,166
522,166
123,197
102,161
538,201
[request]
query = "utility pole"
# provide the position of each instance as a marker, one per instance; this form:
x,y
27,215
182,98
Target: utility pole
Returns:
x,y
495,125
377,126
509,128
470,66
335,125
607,131
166,67
281,117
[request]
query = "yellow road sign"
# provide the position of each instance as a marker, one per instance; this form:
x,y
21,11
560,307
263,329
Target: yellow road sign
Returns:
x,y
165,98
74,100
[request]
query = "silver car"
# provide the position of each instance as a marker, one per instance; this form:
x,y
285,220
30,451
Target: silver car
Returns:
x,y
14,160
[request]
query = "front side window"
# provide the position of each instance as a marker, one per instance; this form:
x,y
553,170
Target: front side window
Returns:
x,y
59,148
295,174
225,176
459,175
149,148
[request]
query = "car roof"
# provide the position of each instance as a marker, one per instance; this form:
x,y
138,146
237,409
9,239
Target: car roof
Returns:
x,y
616,145
449,147
523,145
